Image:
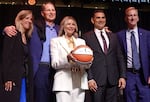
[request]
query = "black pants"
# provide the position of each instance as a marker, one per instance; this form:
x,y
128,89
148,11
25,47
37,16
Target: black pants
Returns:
x,y
103,94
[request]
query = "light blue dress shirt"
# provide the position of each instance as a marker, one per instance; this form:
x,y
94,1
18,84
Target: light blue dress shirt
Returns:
x,y
50,33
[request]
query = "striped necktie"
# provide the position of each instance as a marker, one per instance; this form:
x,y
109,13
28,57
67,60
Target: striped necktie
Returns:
x,y
104,43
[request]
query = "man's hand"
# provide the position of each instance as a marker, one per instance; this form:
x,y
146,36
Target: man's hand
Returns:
x,y
92,85
122,83
10,30
107,29
9,85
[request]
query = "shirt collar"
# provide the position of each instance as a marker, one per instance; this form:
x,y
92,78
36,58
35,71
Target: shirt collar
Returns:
x,y
135,29
52,26
97,30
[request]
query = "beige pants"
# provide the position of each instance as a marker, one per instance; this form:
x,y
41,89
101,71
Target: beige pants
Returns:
x,y
76,95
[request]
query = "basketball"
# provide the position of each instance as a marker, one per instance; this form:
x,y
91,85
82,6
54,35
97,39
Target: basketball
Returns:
x,y
83,54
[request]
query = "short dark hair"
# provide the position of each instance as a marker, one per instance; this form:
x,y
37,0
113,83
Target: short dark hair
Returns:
x,y
97,10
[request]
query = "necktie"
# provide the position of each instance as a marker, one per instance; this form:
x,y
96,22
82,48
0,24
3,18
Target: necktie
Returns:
x,y
104,43
135,55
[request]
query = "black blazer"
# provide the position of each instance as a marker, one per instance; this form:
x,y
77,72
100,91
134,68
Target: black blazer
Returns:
x,y
106,67
13,67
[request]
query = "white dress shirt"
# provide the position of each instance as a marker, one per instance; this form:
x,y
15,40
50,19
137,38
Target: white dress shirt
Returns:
x,y
129,49
98,35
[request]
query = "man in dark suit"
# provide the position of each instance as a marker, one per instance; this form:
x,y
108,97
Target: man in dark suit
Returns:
x,y
138,68
107,72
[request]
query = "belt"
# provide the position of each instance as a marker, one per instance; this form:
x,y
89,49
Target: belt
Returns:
x,y
133,70
45,64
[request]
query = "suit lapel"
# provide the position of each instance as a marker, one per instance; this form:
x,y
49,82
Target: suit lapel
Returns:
x,y
142,41
64,44
123,37
95,41
110,42
124,42
76,42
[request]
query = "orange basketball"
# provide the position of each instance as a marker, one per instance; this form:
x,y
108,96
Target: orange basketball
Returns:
x,y
83,53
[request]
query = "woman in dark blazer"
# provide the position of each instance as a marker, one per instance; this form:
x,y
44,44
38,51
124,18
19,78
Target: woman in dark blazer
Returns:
x,y
15,60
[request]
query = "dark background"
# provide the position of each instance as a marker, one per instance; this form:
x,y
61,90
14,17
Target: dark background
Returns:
x,y
114,14
81,11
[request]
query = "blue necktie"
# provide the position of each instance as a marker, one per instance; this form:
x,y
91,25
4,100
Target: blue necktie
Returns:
x,y
135,55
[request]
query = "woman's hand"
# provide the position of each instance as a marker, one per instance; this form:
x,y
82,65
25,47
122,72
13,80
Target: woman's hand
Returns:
x,y
9,85
70,57
75,67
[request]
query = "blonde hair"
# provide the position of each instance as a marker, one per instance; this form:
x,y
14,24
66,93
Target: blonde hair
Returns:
x,y
63,24
20,16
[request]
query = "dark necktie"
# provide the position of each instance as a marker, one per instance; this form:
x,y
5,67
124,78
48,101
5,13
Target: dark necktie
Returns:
x,y
135,55
104,43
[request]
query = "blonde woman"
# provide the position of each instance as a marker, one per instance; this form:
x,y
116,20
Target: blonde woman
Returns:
x,y
70,80
15,59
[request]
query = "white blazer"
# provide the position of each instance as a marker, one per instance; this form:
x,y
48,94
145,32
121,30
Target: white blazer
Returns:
x,y
63,78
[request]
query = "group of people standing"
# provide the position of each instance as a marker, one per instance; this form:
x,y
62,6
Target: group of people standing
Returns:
x,y
37,60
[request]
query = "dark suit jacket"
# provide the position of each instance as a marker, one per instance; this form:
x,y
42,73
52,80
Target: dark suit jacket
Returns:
x,y
13,67
36,42
109,67
144,48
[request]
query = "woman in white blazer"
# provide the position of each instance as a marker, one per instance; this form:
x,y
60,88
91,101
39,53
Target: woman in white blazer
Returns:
x,y
70,80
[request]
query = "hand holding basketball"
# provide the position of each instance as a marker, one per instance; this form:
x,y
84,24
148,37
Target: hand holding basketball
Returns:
x,y
82,54
71,58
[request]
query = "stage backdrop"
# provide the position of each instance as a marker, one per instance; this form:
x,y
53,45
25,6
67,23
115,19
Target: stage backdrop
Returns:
x,y
115,16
